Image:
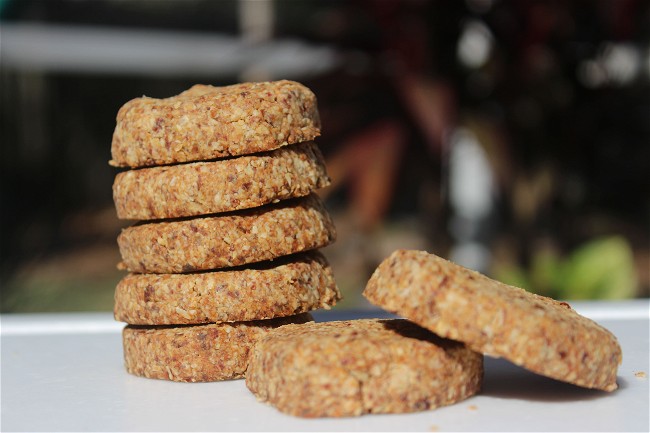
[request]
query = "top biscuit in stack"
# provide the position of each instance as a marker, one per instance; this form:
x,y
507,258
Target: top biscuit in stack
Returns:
x,y
222,181
207,122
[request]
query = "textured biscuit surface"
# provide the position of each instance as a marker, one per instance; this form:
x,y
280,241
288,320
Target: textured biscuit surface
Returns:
x,y
208,122
219,186
229,240
281,288
200,353
349,368
535,332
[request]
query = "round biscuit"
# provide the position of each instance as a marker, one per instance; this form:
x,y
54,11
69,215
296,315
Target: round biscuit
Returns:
x,y
538,333
228,240
280,288
207,122
219,186
350,368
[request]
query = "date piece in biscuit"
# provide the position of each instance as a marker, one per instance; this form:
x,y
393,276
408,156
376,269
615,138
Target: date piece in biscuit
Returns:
x,y
249,236
208,122
219,186
200,353
280,288
535,332
349,368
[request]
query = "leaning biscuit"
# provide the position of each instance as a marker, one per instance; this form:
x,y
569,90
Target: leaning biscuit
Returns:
x,y
219,186
228,240
201,353
208,122
280,288
350,368
535,332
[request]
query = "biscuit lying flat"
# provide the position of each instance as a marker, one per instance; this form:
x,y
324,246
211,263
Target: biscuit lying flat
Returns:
x,y
360,366
201,353
538,333
219,186
229,240
280,288
208,122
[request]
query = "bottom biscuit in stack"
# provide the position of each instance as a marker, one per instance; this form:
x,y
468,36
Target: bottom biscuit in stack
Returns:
x,y
196,353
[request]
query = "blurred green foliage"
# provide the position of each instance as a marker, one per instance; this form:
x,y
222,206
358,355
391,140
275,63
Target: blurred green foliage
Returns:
x,y
602,268
38,295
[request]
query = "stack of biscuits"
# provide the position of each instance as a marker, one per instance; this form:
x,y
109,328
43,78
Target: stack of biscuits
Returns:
x,y
221,181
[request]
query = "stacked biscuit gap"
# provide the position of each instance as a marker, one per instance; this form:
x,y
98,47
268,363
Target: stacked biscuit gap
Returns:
x,y
222,182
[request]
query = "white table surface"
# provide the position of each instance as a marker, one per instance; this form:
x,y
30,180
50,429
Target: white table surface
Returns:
x,y
64,372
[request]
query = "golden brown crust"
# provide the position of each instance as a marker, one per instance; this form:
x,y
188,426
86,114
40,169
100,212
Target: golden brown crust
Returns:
x,y
208,122
299,284
354,367
219,186
538,333
201,353
229,240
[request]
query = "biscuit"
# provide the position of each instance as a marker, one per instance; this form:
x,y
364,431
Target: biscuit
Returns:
x,y
208,122
298,284
201,353
219,186
228,240
538,333
350,368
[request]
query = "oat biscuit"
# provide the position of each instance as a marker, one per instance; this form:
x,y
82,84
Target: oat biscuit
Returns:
x,y
208,122
354,367
280,288
200,353
535,332
250,236
219,186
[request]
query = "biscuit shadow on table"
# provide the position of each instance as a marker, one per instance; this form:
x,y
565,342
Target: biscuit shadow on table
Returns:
x,y
351,314
503,379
